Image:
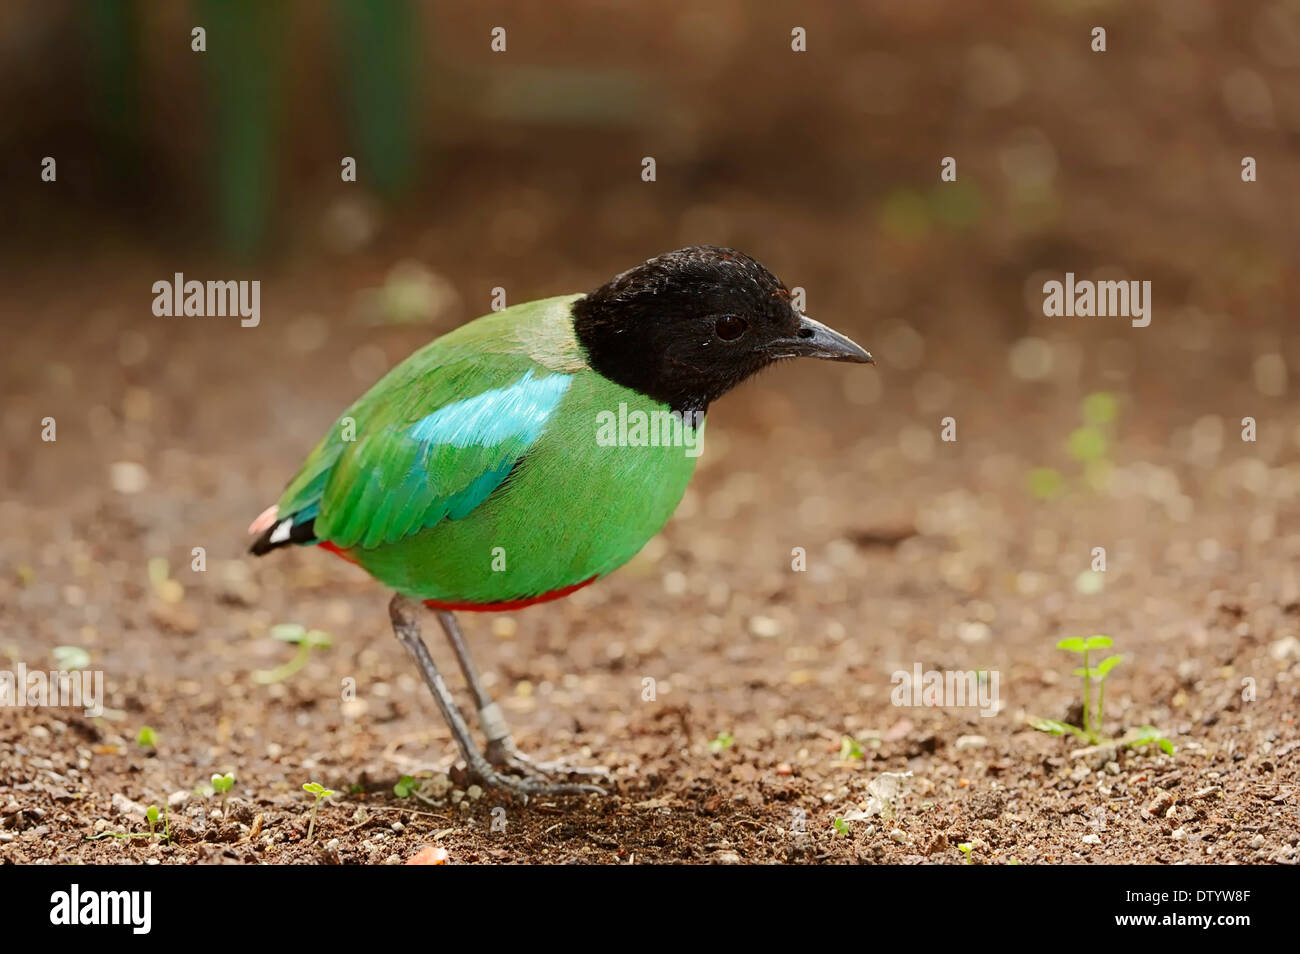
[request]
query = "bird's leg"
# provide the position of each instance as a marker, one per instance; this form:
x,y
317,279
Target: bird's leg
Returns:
x,y
406,626
501,749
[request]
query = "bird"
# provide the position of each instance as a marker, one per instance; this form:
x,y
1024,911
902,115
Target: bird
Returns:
x,y
533,451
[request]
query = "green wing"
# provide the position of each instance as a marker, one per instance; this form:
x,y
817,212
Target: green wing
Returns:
x,y
426,444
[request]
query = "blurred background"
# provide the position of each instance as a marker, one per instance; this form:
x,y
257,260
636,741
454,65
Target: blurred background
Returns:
x,y
523,169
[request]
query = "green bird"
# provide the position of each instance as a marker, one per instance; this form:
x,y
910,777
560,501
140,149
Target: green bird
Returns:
x,y
532,451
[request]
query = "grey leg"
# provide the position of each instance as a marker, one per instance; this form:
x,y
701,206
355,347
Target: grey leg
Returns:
x,y
406,626
501,750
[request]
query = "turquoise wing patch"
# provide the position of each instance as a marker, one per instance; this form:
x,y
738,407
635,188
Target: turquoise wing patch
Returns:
x,y
406,475
495,417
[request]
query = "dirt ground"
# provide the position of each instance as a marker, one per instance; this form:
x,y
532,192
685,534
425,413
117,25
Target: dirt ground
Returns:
x,y
174,434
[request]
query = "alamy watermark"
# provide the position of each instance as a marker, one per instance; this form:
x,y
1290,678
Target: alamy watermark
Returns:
x,y
948,688
133,909
1089,299
79,689
193,299
660,428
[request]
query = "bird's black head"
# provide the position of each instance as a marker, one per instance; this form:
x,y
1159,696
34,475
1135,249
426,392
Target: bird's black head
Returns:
x,y
687,327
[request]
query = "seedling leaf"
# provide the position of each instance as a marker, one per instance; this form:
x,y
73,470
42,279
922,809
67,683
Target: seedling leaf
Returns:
x,y
1054,727
1045,483
721,743
1100,407
289,632
68,658
1148,735
1088,443
1106,665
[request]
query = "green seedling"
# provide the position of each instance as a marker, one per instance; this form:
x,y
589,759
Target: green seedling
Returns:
x,y
840,825
1091,730
1045,483
305,639
221,785
160,578
1089,445
721,742
1147,735
850,750
406,786
151,816
68,658
321,793
146,738
966,848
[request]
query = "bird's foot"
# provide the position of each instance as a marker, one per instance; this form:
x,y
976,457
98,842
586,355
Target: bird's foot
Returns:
x,y
495,770
504,754
532,787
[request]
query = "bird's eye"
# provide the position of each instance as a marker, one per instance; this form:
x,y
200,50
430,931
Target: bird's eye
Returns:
x,y
731,327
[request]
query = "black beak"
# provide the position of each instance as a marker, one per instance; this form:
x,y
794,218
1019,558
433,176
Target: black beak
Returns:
x,y
815,340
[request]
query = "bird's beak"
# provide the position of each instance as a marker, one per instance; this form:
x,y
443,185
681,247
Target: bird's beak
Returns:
x,y
815,340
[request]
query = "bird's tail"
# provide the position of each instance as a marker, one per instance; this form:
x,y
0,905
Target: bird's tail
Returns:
x,y
270,532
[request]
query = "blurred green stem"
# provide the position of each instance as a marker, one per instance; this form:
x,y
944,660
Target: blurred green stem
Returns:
x,y
245,42
379,47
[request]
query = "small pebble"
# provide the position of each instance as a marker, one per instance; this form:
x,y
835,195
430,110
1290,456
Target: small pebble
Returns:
x,y
124,806
128,477
1162,802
